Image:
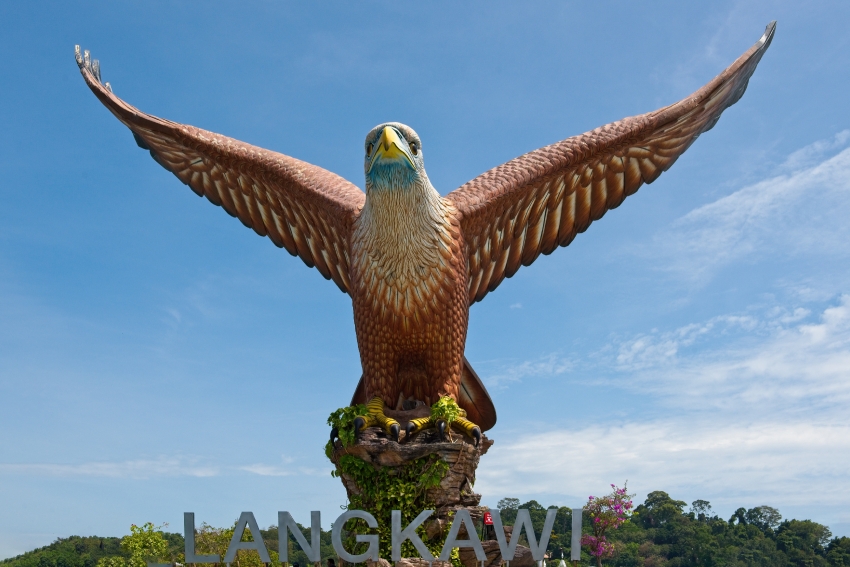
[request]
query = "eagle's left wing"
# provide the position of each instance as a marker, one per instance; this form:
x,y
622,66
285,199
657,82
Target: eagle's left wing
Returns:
x,y
541,200
301,207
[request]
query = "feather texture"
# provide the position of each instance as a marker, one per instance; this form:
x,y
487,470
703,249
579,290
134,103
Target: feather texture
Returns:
x,y
413,262
302,208
537,202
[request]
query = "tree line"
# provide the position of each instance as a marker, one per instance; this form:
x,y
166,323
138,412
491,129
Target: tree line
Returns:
x,y
662,532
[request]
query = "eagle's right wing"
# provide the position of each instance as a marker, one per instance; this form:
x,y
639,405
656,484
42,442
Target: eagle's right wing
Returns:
x,y
537,202
303,208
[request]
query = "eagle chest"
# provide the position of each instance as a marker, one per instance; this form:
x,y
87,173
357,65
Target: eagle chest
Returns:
x,y
408,279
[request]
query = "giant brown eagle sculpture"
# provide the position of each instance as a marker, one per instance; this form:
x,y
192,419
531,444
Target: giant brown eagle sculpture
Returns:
x,y
413,261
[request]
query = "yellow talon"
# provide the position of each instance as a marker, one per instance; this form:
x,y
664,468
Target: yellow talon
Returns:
x,y
417,425
469,428
375,416
460,423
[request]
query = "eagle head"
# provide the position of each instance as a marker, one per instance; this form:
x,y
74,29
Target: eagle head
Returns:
x,y
393,160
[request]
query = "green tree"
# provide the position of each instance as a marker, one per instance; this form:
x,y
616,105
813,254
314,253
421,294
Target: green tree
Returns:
x,y
658,509
662,535
803,541
74,551
215,541
763,517
701,509
561,538
838,552
508,508
145,544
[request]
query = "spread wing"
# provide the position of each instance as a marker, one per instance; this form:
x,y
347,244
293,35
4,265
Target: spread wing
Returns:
x,y
303,208
541,200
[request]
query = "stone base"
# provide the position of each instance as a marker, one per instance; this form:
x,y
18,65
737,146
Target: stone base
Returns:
x,y
522,556
409,562
454,492
460,453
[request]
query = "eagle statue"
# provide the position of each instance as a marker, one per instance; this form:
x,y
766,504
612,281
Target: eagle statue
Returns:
x,y
413,261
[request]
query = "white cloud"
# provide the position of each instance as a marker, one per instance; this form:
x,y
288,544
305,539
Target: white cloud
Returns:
x,y
649,350
760,418
778,462
550,365
271,470
798,364
286,469
152,468
802,211
138,469
813,153
267,470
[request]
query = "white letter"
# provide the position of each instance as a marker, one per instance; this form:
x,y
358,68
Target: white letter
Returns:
x,y
189,539
336,537
462,517
523,519
285,523
236,543
399,535
575,540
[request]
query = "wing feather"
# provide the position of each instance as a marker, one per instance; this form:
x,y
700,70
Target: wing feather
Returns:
x,y
302,208
541,200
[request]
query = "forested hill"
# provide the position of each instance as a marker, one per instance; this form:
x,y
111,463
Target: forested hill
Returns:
x,y
76,551
663,533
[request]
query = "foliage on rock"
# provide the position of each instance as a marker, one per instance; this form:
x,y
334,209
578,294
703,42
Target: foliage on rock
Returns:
x,y
343,420
446,409
386,489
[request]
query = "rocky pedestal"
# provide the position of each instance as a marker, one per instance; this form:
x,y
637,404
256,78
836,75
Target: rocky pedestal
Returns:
x,y
454,491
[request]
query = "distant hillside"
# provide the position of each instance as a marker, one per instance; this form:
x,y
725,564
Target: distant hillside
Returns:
x,y
76,551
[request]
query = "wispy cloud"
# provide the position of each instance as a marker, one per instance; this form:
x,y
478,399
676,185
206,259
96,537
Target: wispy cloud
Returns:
x,y
276,470
758,419
286,468
793,364
136,469
267,470
746,424
550,365
165,466
792,463
812,154
802,211
650,350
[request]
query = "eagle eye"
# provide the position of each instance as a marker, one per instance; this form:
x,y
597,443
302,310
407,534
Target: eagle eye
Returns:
x,y
369,149
414,148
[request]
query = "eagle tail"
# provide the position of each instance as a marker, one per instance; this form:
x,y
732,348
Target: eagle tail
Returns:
x,y
473,397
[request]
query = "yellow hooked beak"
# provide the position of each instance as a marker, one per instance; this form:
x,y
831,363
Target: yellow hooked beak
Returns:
x,y
391,146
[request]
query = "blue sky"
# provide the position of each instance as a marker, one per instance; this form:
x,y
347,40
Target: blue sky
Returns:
x,y
157,357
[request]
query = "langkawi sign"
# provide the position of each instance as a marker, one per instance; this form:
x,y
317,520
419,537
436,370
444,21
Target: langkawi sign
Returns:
x,y
399,533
